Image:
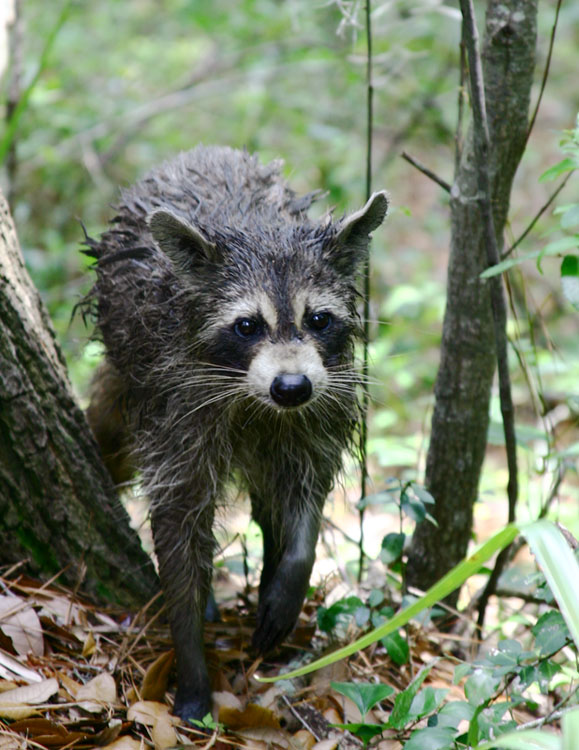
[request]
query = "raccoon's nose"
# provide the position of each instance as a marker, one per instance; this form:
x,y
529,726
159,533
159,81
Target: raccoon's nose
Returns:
x,y
291,390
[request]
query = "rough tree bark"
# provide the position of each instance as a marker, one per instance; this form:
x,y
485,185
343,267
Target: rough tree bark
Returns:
x,y
468,358
58,506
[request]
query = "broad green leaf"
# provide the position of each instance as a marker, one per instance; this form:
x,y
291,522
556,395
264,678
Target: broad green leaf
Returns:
x,y
570,725
364,694
551,632
452,580
365,732
504,265
559,567
427,701
451,714
423,494
431,738
570,279
480,686
562,245
397,648
570,217
392,546
565,165
401,715
528,739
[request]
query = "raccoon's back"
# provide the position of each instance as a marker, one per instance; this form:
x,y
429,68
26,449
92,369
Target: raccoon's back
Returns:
x,y
216,188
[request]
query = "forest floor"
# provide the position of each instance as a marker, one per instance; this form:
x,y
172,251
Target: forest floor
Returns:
x,y
77,675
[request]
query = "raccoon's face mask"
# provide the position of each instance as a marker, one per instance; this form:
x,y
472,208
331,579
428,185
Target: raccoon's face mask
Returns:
x,y
287,337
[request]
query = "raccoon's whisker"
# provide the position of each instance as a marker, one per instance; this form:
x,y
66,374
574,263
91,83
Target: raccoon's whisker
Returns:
x,y
218,397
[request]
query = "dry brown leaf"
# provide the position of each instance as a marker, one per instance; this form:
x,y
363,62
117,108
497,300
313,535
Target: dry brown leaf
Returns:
x,y
148,712
328,744
9,741
163,733
89,645
9,711
156,677
20,623
251,716
226,699
7,685
11,667
40,692
109,733
99,691
71,686
276,737
303,740
125,743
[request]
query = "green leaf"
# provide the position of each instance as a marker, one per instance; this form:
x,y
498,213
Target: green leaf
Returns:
x,y
559,567
412,506
375,598
566,165
365,695
431,738
401,715
570,217
562,245
452,580
480,686
392,546
504,265
451,714
570,279
527,739
364,731
551,632
397,648
570,725
427,701
423,494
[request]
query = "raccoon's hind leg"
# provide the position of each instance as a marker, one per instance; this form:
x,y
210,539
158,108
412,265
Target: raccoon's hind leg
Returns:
x,y
289,546
109,423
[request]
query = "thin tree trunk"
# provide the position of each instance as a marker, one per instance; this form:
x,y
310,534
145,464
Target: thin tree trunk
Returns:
x,y
468,358
58,507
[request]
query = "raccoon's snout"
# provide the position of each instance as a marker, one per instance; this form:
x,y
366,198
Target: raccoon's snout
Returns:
x,y
291,390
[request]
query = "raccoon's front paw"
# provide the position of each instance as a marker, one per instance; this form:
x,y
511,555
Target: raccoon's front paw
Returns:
x,y
189,705
276,617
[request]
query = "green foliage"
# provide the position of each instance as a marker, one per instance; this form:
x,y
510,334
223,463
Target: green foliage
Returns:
x,y
510,669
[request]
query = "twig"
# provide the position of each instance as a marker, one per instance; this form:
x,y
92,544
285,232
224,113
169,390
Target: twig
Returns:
x,y
365,399
13,97
429,173
546,71
499,308
536,218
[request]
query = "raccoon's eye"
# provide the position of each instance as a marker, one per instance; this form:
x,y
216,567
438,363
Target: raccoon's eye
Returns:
x,y
319,321
246,327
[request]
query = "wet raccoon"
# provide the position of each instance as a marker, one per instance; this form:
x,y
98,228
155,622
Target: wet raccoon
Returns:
x,y
229,320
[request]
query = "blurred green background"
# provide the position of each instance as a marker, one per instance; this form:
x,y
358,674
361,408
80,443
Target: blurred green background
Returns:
x,y
129,83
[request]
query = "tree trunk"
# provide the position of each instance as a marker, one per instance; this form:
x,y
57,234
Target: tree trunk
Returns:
x,y
58,507
464,380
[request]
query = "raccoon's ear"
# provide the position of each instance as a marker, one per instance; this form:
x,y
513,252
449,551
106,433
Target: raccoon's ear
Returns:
x,y
353,235
185,245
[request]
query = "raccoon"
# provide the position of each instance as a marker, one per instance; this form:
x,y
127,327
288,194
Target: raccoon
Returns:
x,y
229,320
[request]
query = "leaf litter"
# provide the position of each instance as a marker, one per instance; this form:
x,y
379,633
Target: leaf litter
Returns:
x,y
75,674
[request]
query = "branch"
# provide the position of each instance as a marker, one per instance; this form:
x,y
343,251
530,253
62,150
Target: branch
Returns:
x,y
546,71
482,150
365,399
538,215
429,173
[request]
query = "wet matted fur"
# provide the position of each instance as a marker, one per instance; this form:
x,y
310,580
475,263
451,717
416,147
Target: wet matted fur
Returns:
x,y
229,321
